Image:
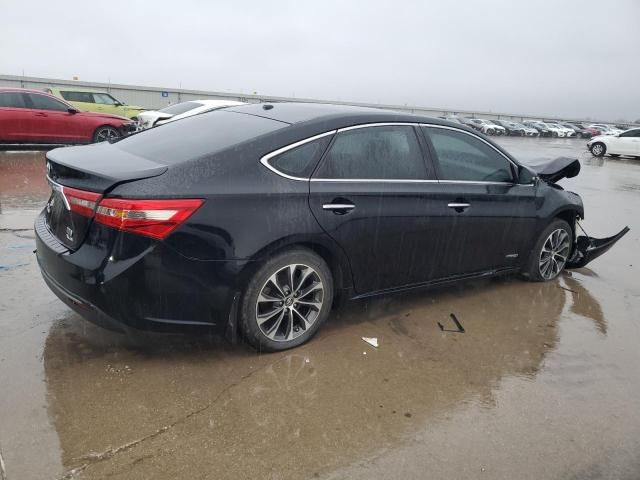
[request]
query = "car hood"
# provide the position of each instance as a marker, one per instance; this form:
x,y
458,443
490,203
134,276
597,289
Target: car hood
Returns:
x,y
554,170
153,115
105,115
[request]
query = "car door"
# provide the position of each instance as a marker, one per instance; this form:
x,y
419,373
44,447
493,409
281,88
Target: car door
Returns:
x,y
490,218
627,143
107,104
372,194
16,120
53,120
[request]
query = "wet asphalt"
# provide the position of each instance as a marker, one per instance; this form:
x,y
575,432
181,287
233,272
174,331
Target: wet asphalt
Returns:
x,y
544,383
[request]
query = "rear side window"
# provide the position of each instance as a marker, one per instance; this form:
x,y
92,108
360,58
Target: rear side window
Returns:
x,y
385,152
43,102
85,97
465,157
300,161
12,100
197,136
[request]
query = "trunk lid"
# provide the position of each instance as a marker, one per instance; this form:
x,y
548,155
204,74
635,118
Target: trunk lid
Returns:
x,y
79,178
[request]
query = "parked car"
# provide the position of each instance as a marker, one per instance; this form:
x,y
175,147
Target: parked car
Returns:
x,y
483,126
543,130
500,130
510,127
32,116
625,143
581,130
604,129
567,132
255,218
454,119
154,118
528,131
515,128
95,101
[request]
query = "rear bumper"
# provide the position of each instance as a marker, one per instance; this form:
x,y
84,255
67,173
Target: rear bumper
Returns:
x,y
122,281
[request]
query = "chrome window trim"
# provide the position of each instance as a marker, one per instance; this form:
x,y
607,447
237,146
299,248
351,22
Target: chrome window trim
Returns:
x,y
265,159
59,188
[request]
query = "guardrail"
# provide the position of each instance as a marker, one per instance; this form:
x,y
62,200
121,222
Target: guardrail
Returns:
x,y
159,97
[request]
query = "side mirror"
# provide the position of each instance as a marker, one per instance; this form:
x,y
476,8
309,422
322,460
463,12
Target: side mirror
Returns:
x,y
525,176
72,111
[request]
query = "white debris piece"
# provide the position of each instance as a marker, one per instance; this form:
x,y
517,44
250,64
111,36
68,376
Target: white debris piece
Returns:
x,y
373,341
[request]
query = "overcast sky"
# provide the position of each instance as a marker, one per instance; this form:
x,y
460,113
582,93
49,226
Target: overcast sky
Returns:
x,y
574,58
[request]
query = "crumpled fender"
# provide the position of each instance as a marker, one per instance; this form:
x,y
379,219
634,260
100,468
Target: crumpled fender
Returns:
x,y
589,248
554,170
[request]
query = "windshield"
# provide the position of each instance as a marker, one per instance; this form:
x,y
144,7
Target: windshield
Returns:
x,y
196,136
179,108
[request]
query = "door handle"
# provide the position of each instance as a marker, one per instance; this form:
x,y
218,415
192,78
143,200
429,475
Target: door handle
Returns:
x,y
39,114
459,206
339,208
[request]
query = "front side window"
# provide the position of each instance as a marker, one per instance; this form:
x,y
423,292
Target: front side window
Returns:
x,y
43,102
384,152
84,97
635,133
300,161
11,100
464,157
105,99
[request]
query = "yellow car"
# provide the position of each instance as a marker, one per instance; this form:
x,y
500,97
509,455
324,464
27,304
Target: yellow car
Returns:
x,y
95,101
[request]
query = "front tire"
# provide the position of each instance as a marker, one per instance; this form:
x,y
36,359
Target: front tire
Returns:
x,y
598,149
286,301
551,252
105,133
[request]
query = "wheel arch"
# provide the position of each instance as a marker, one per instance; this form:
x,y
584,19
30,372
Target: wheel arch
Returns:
x,y
326,248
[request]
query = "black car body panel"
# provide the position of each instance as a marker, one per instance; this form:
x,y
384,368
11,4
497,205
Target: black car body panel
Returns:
x,y
249,212
589,248
96,168
554,170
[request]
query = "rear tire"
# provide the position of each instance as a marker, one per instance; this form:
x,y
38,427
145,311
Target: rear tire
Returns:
x,y
551,252
598,149
105,133
286,301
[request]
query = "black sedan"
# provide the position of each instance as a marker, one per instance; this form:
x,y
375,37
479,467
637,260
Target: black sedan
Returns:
x,y
252,220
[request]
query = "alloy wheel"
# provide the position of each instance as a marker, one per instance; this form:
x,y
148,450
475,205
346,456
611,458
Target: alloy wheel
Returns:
x,y
289,302
106,133
597,149
553,256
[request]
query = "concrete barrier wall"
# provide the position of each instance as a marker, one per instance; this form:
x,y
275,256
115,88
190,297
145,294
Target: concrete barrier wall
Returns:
x,y
153,98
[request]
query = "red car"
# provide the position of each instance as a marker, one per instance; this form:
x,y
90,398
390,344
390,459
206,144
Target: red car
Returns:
x,y
31,116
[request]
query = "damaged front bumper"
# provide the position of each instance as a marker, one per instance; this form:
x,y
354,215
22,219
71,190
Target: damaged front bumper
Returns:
x,y
589,248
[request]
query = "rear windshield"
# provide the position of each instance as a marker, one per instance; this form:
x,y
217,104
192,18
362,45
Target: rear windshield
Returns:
x,y
197,136
179,108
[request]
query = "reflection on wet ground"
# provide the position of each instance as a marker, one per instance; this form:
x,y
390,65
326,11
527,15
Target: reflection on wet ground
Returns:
x,y
543,383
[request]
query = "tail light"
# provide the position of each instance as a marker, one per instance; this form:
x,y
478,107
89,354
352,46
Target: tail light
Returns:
x,y
80,201
153,218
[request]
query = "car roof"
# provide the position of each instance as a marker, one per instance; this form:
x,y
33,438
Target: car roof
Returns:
x,y
22,90
215,103
330,115
76,89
